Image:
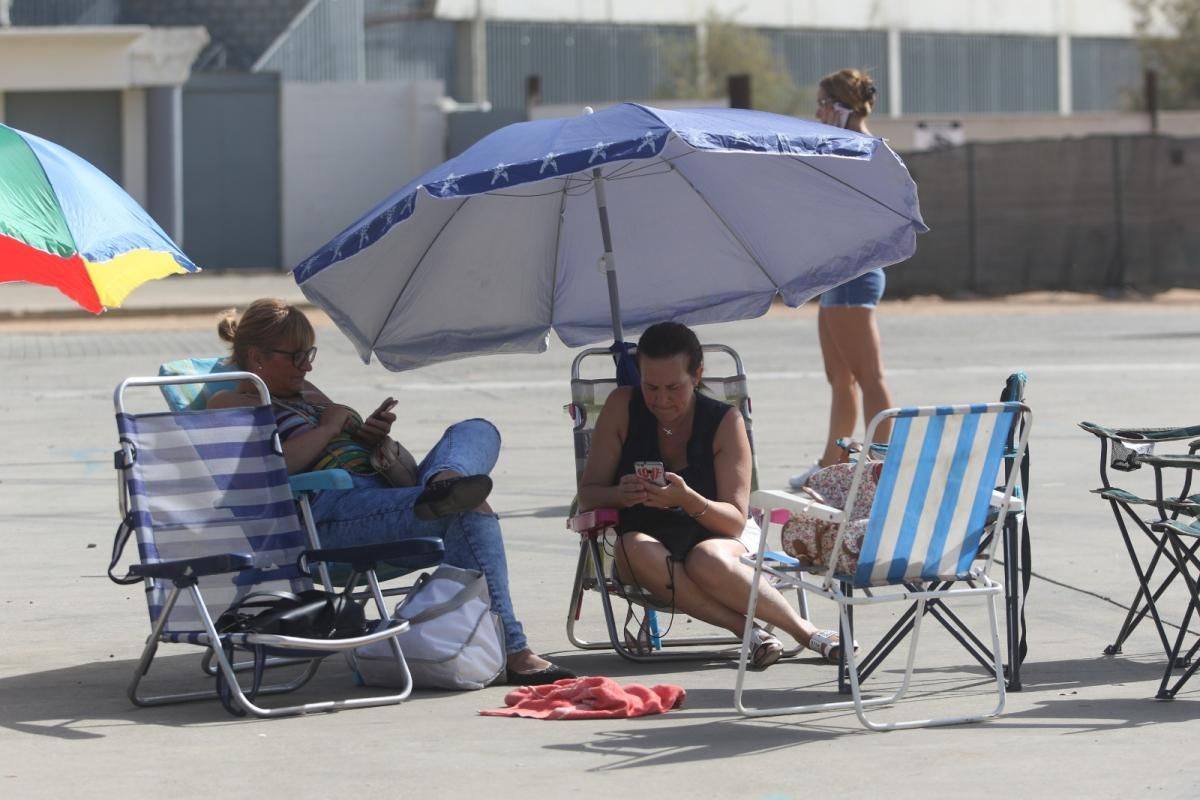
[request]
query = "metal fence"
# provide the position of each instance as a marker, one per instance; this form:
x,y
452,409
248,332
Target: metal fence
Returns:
x,y
1106,74
580,63
1090,214
324,42
960,73
810,55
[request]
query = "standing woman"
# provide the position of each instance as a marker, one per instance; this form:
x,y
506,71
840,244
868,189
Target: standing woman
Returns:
x,y
846,322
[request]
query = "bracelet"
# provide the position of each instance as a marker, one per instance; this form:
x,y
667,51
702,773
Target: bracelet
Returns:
x,y
701,512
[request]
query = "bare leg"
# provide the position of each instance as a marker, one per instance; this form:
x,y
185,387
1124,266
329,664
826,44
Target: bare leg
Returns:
x,y
843,407
856,335
715,566
642,559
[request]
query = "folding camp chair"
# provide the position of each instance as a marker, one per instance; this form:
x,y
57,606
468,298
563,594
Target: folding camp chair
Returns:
x,y
931,533
1016,551
1168,521
208,496
593,572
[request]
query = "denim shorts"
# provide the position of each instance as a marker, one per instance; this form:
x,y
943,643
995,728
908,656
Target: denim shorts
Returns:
x,y
865,291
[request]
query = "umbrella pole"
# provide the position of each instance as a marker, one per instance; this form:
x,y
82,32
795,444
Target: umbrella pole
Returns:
x,y
610,264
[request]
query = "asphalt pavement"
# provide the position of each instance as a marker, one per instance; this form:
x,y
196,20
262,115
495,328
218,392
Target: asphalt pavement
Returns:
x,y
1085,724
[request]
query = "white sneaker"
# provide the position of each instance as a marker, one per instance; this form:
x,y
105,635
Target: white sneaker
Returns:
x,y
797,481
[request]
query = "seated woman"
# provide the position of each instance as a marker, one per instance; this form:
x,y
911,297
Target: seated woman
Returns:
x,y
679,541
274,340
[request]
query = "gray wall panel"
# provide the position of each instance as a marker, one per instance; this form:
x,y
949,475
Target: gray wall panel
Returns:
x,y
956,73
1106,74
811,55
86,123
231,174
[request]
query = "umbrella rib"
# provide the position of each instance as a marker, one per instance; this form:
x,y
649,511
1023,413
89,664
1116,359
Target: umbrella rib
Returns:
x,y
411,275
562,204
877,201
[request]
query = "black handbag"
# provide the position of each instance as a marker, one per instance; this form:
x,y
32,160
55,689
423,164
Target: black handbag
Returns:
x,y
310,614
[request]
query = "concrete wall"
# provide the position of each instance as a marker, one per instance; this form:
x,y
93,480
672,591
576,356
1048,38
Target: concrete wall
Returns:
x,y
346,147
1075,17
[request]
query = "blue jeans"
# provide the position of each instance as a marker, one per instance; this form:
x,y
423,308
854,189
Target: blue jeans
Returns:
x,y
373,512
865,291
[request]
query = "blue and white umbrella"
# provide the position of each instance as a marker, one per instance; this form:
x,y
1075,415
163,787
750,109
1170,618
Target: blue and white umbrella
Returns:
x,y
703,215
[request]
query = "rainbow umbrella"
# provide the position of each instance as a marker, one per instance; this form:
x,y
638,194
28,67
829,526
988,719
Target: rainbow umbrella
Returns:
x,y
64,223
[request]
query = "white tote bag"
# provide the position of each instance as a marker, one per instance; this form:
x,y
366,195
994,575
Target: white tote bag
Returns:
x,y
454,640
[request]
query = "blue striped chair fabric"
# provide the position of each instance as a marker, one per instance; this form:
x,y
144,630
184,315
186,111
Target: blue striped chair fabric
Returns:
x,y
204,484
934,494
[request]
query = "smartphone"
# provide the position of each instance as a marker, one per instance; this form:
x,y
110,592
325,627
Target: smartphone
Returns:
x,y
842,112
651,471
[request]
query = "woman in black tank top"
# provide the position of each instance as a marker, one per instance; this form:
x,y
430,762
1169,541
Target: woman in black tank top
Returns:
x,y
679,537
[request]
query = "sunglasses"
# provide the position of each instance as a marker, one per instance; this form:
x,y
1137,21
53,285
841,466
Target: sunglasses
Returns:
x,y
300,357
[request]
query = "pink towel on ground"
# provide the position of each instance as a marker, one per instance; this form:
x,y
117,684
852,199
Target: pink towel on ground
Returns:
x,y
588,698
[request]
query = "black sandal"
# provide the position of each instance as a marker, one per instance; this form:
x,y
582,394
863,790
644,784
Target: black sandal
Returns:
x,y
452,496
539,677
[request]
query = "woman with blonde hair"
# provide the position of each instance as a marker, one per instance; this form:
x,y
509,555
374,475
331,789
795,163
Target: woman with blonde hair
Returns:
x,y
444,496
846,324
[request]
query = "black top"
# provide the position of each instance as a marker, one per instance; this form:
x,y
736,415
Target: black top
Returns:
x,y
641,444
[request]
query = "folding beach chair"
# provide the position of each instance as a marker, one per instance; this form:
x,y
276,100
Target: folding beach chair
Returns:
x,y
208,497
1016,550
594,572
1167,520
930,536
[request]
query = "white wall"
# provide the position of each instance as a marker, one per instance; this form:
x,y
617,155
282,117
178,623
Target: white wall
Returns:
x,y
346,147
1045,17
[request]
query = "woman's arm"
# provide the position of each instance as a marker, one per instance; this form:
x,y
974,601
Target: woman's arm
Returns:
x,y
300,450
596,487
732,464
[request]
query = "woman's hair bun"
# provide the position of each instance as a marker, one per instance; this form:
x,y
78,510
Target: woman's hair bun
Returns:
x,y
227,324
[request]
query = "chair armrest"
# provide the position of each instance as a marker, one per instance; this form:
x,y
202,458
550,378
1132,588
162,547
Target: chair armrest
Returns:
x,y
410,554
1015,504
1141,435
188,569
1193,446
321,479
775,500
1174,461
597,518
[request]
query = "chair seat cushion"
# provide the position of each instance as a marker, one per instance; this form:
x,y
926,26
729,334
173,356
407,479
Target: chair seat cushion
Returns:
x,y
812,540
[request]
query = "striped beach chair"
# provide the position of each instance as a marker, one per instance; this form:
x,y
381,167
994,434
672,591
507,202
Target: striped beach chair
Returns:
x,y
932,530
207,495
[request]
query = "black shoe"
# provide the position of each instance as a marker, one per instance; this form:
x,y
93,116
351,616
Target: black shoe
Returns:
x,y
545,675
453,496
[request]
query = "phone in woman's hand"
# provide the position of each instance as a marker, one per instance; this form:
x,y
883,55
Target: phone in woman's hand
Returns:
x,y
843,114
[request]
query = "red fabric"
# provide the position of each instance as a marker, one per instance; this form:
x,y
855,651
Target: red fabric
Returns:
x,y
20,262
588,698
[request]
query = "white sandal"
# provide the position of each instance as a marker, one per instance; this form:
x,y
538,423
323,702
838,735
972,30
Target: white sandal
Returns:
x,y
765,649
827,643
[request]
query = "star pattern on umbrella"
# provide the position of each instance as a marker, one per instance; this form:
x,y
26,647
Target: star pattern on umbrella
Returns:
x,y
598,151
548,160
450,184
741,137
647,141
406,207
498,172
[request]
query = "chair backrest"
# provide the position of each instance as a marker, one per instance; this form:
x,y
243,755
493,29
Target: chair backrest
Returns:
x,y
935,491
589,395
194,396
205,483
